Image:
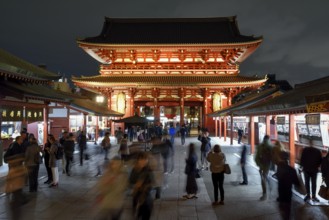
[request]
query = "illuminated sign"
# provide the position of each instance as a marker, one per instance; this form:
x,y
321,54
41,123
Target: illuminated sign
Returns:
x,y
312,119
11,113
317,103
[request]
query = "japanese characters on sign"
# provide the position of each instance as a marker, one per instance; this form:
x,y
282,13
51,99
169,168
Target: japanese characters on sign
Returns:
x,y
13,113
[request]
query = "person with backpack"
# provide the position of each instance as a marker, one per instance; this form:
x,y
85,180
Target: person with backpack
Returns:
x,y
263,160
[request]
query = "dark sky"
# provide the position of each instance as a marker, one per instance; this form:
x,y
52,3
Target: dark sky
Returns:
x,y
295,46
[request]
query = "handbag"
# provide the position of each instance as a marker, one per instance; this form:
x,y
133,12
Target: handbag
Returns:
x,y
301,188
197,173
227,168
324,192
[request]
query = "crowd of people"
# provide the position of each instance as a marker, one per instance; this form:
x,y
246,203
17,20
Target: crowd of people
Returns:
x,y
142,171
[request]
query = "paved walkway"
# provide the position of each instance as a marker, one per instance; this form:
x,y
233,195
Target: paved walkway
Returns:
x,y
73,199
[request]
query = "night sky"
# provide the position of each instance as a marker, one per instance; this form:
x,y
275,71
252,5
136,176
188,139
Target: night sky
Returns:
x,y
295,32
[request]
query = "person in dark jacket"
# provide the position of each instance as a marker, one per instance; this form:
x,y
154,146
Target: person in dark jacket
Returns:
x,y
32,162
82,143
142,180
190,171
310,161
243,165
68,152
205,148
287,177
183,133
240,134
46,152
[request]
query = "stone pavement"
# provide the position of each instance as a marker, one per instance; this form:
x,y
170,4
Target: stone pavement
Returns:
x,y
73,199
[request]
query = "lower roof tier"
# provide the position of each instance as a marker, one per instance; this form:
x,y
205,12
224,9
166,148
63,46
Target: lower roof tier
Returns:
x,y
167,80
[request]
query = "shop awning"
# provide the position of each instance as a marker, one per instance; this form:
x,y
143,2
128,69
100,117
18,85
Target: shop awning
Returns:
x,y
291,102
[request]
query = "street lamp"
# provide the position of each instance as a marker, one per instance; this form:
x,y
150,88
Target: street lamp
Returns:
x,y
99,99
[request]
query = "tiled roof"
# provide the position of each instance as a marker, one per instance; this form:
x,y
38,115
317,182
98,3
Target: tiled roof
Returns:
x,y
170,31
167,80
291,102
12,65
46,93
36,91
93,108
249,101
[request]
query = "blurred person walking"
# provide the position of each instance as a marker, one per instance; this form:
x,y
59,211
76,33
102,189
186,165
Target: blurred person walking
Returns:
x,y
53,161
106,145
190,171
16,177
32,162
217,160
156,164
110,191
119,135
124,149
172,133
82,143
277,150
263,161
287,177
142,180
68,152
243,161
183,133
61,141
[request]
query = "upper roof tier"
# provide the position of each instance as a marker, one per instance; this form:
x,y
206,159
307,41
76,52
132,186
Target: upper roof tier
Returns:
x,y
218,30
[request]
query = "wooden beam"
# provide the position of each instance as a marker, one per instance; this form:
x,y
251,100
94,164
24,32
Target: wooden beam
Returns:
x,y
252,134
292,139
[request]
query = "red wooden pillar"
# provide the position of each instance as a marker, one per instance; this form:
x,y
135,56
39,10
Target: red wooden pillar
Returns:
x,y
216,127
45,123
252,134
220,127
292,139
96,130
205,108
181,104
267,125
232,130
225,121
132,101
84,127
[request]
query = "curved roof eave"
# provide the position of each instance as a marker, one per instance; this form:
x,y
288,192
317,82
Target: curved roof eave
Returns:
x,y
256,41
